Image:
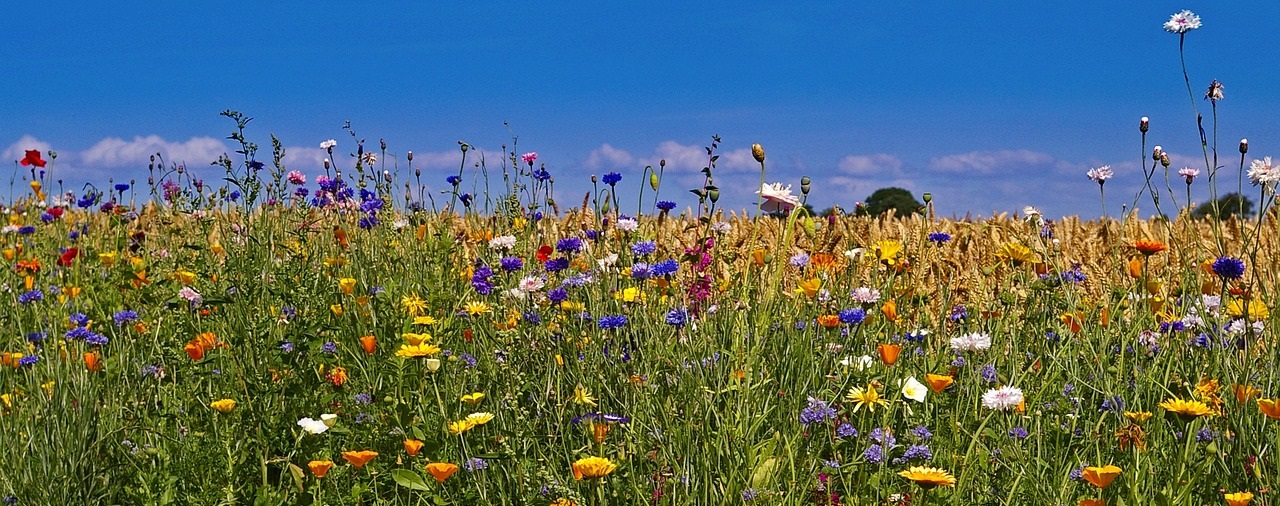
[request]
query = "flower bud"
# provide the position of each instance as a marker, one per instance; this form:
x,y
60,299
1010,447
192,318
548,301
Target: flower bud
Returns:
x,y
1155,153
410,156
804,184
386,175
1244,146
417,172
326,164
1164,160
662,163
757,151
383,143
1143,125
653,181
433,364
463,146
928,197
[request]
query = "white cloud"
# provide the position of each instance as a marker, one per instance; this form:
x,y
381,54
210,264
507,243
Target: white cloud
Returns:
x,y
989,162
18,150
304,159
607,157
117,152
877,165
680,157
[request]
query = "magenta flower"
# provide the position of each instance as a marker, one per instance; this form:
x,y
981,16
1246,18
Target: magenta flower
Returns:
x,y
529,157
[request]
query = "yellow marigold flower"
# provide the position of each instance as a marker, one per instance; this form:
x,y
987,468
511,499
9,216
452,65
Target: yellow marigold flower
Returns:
x,y
425,320
1238,498
223,405
590,468
1137,416
869,398
1015,253
417,351
473,398
474,308
583,396
415,339
928,477
1188,409
460,427
478,419
109,258
413,304
185,277
888,251
1101,476
1256,309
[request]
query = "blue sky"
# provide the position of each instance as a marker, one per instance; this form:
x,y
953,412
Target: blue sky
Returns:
x,y
991,106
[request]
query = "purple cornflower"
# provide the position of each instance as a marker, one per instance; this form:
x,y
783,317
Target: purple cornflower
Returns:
x,y
666,205
363,398
474,464
799,260
852,316
1018,432
644,248
329,348
123,317
939,238
989,373
95,339
817,411
958,313
511,264
1228,268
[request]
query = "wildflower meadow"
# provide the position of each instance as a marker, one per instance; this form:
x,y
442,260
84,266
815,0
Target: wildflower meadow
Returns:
x,y
265,337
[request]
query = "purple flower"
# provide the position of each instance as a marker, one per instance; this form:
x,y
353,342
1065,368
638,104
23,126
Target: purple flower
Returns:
x,y
989,373
453,180
123,317
643,248
816,412
31,296
677,317
874,454
612,322
845,431
1018,432
28,360
611,178
852,316
569,245
664,268
666,205
329,348
557,264
939,238
914,452
511,264
1228,268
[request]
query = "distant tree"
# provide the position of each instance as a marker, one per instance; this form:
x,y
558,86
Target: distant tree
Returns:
x,y
832,211
884,200
1227,205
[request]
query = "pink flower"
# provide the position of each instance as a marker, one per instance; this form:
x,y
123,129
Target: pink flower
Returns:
x,y
297,178
529,157
777,198
1188,173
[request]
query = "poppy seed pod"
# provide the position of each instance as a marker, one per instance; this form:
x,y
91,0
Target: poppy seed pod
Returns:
x,y
1143,125
463,146
714,194
662,163
757,151
653,181
928,197
804,184
417,172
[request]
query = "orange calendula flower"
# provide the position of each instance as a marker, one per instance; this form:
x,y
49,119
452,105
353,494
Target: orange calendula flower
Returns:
x,y
889,353
412,446
829,321
1149,248
1270,407
369,344
359,458
320,467
1092,502
202,344
590,468
938,382
928,477
338,376
1101,476
1238,498
441,470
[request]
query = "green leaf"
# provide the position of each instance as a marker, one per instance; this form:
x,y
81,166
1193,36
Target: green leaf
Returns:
x,y
409,479
762,477
297,474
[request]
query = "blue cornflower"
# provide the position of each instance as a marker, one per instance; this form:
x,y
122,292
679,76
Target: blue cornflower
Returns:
x,y
750,494
95,339
939,238
27,230
474,464
36,337
1114,405
958,313
569,245
612,322
465,199
592,235
511,264
958,362
852,316
666,205
677,317
287,346
541,174
644,248
1018,432
640,270
1202,341
557,295
27,360
1228,268
453,180
611,178
1205,435
799,260
557,264
1075,275
470,360
123,317
1173,326
31,296
329,348
989,373
367,222
531,317
664,268
816,412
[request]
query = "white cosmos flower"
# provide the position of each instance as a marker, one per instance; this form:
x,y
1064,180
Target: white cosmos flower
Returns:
x,y
531,284
503,242
313,426
1262,172
777,198
1003,398
329,144
913,389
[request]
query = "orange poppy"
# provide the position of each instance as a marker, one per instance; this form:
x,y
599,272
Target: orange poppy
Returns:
x,y
1135,267
890,310
1245,392
1092,502
320,467
829,321
441,470
412,446
359,458
1101,476
93,361
938,382
889,353
369,344
1269,407
1149,248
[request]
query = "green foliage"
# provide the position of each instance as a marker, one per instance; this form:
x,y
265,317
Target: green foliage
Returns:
x,y
896,200
1231,204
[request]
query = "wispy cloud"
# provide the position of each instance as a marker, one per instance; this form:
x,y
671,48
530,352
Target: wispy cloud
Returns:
x,y
117,152
989,162
878,165
607,157
18,150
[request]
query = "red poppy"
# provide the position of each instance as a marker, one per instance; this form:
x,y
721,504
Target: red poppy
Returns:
x,y
33,158
55,212
544,253
68,256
